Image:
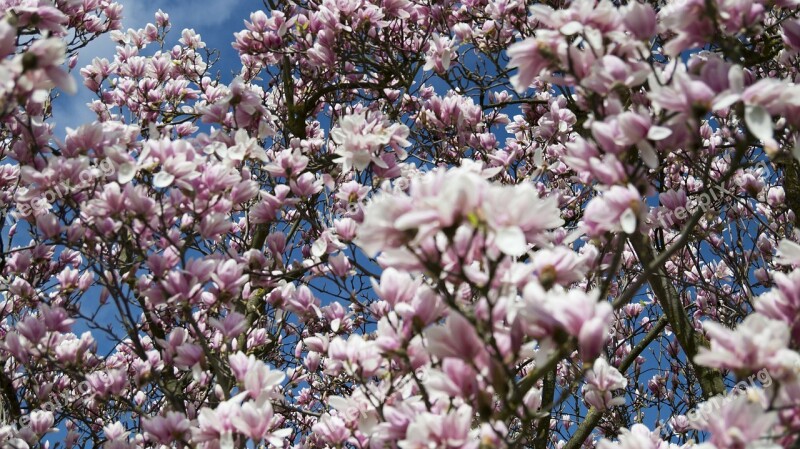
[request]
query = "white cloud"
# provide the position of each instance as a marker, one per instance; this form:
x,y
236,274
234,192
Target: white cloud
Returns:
x,y
197,14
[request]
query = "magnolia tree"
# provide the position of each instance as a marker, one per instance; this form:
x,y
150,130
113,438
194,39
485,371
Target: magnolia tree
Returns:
x,y
404,224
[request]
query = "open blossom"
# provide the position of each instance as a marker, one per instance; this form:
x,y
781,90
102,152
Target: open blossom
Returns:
x,y
165,429
442,199
402,224
755,343
456,339
558,265
783,302
447,431
788,253
355,355
739,421
555,313
440,55
519,215
45,57
601,382
618,209
637,437
533,55
361,138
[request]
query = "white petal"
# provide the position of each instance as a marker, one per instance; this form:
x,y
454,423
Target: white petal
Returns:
x,y
759,122
511,240
796,149
628,221
648,154
126,173
153,130
162,179
736,78
338,403
226,440
319,247
658,133
446,57
571,28
241,136
788,252
724,100
274,378
39,95
379,162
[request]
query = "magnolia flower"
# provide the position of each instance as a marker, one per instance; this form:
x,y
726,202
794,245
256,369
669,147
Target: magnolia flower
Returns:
x,y
783,301
574,312
757,342
359,139
8,36
618,209
601,381
46,56
514,215
357,356
456,339
440,54
331,429
788,253
519,215
533,55
558,265
445,431
738,421
637,437
166,429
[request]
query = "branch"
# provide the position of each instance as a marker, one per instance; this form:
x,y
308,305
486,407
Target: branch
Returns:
x,y
710,379
594,415
548,393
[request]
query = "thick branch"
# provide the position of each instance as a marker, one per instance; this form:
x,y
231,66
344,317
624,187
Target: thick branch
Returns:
x,y
710,379
548,394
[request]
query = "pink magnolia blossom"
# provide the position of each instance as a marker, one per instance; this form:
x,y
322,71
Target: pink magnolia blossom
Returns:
x,y
360,137
619,209
757,342
601,382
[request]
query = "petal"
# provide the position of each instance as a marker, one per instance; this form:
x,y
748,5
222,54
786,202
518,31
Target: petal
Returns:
x,y
162,179
319,248
511,240
446,58
788,252
628,221
126,173
736,78
648,154
658,133
759,122
571,28
725,99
